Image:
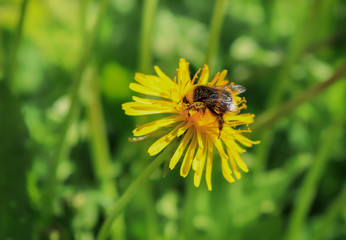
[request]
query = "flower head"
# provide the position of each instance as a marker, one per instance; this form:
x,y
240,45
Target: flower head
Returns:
x,y
200,125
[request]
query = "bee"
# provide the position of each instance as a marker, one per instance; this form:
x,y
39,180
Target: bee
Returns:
x,y
217,99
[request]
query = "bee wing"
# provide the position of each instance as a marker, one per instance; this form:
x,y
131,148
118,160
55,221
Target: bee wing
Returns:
x,y
227,104
230,105
234,88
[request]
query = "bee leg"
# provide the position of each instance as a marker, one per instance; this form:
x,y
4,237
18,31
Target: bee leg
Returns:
x,y
221,122
197,106
202,108
219,119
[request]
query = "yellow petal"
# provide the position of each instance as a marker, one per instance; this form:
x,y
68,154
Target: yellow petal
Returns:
x,y
209,165
197,178
233,145
135,109
200,166
156,84
156,102
200,140
201,160
203,80
226,171
170,86
214,79
197,159
149,81
221,78
233,164
160,144
219,148
245,141
164,78
150,103
138,112
186,165
183,129
238,159
149,91
184,74
195,76
180,150
199,155
239,119
155,125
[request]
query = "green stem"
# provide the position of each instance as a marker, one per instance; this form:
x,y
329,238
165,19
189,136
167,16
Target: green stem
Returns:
x,y
270,117
102,158
145,51
214,33
62,148
130,192
308,190
334,210
17,38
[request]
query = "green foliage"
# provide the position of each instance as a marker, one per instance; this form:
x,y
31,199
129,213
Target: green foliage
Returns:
x,y
65,158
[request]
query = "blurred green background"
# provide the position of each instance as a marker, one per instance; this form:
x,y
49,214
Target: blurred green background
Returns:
x,y
65,158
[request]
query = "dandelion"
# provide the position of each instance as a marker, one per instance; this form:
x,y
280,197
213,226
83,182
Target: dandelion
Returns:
x,y
198,128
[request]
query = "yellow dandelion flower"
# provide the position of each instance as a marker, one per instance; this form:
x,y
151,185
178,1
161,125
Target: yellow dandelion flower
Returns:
x,y
203,114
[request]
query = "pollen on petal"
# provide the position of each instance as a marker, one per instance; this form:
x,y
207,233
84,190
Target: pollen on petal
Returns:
x,y
160,144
